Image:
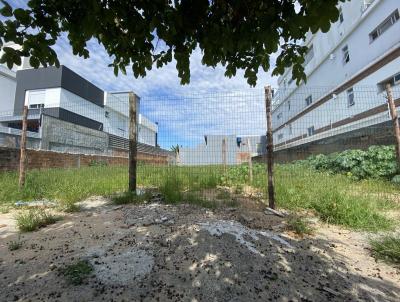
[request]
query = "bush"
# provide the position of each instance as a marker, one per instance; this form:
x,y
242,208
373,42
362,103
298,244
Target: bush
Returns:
x,y
376,162
34,219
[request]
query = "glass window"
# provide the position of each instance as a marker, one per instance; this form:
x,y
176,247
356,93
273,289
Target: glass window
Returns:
x,y
310,131
350,97
384,26
346,54
309,100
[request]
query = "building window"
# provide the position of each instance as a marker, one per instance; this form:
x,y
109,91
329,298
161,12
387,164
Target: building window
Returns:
x,y
394,80
309,55
341,19
280,136
350,97
311,131
107,114
280,115
345,54
309,100
384,26
36,106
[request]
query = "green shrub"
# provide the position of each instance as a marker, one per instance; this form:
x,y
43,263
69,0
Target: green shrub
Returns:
x,y
34,219
376,162
387,248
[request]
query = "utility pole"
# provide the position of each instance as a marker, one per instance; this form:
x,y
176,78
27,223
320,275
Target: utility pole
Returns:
x,y
395,120
270,148
22,160
132,141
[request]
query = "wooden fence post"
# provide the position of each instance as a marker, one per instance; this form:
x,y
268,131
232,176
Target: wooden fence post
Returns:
x,y
132,141
224,153
250,161
22,159
270,148
395,120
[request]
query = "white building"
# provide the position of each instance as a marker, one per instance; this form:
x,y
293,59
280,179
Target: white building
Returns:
x,y
347,69
8,82
64,95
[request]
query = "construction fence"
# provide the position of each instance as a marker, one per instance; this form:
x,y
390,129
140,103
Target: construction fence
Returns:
x,y
199,141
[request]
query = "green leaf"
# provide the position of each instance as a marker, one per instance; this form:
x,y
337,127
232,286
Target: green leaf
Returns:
x,y
6,11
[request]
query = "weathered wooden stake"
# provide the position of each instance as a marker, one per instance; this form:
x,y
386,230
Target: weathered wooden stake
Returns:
x,y
395,120
132,141
22,159
224,153
250,161
270,148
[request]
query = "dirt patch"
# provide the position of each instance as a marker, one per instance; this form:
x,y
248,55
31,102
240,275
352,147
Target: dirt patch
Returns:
x,y
160,252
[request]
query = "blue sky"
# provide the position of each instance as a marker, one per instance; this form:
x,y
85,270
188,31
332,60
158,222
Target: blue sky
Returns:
x,y
210,104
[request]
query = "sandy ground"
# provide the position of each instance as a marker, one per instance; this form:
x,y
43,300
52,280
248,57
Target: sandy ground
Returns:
x,y
158,252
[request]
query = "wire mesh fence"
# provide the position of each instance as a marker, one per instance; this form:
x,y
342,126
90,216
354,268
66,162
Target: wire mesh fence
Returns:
x,y
202,147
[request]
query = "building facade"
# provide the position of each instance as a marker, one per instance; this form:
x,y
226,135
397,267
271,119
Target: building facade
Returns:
x,y
79,106
8,82
347,69
222,149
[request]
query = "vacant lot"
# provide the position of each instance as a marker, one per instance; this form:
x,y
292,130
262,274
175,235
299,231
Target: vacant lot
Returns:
x,y
198,234
334,198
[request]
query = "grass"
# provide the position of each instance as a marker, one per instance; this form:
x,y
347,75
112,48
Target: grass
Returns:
x,y
335,198
130,198
34,219
14,245
387,248
76,273
299,225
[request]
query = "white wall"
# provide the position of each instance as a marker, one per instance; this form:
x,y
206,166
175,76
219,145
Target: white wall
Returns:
x,y
8,86
49,97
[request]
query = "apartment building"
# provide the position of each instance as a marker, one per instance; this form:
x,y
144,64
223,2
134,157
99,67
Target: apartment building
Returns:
x,y
72,101
347,69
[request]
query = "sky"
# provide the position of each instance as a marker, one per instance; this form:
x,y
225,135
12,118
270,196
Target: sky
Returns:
x,y
210,104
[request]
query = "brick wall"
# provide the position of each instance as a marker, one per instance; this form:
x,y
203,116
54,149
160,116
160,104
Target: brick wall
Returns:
x,y
9,159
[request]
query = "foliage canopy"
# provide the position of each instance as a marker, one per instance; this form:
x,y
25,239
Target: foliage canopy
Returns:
x,y
140,34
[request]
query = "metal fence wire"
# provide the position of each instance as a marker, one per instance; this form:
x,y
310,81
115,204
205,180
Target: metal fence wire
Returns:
x,y
195,146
